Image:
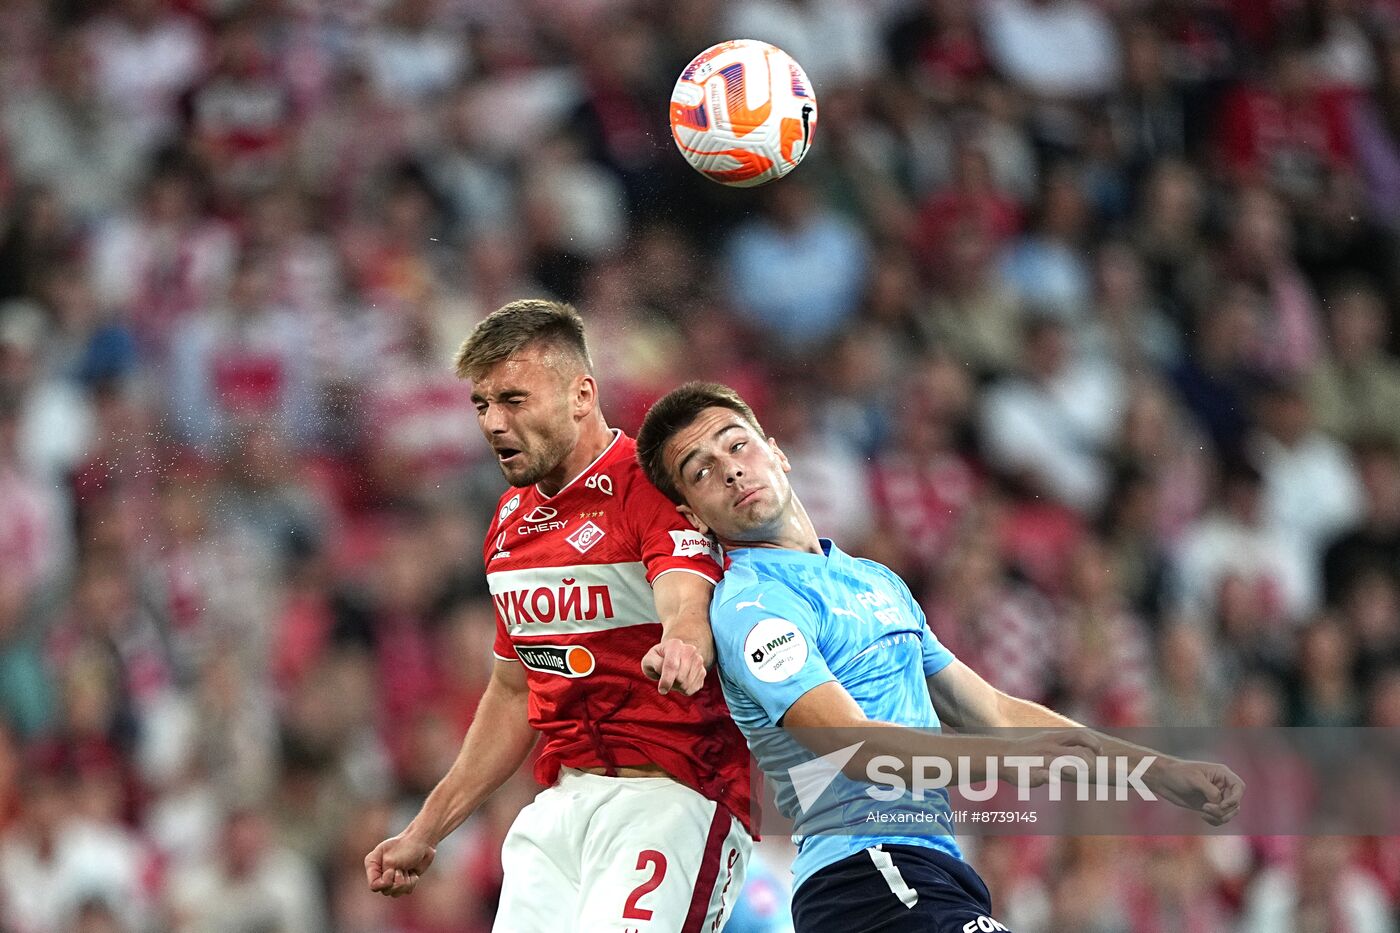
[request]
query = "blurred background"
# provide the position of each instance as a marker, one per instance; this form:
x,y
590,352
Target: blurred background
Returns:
x,y
1081,315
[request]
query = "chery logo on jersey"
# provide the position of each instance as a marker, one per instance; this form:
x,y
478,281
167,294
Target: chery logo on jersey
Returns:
x,y
585,536
564,660
509,507
775,650
538,520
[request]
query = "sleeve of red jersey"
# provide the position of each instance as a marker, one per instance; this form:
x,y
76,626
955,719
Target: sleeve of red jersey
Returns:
x,y
502,647
666,539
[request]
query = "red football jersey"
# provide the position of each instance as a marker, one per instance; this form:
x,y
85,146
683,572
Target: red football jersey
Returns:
x,y
571,577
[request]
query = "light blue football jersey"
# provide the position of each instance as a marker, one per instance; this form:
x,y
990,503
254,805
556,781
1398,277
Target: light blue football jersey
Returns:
x,y
787,621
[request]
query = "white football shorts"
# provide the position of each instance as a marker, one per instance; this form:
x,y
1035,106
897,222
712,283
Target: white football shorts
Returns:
x,y
625,855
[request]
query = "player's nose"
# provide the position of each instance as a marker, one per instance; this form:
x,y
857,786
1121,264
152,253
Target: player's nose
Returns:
x,y
493,420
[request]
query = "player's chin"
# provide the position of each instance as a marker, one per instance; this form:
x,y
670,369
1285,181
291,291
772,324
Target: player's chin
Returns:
x,y
518,474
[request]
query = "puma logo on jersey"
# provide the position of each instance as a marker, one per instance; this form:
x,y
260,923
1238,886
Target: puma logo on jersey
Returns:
x,y
757,602
838,611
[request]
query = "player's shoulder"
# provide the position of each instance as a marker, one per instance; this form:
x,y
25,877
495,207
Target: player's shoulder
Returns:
x,y
878,569
625,472
748,591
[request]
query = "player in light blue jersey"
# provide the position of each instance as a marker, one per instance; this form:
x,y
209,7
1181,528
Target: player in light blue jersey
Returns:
x,y
826,645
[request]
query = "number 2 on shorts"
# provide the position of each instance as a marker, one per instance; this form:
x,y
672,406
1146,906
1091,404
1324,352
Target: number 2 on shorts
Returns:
x,y
658,862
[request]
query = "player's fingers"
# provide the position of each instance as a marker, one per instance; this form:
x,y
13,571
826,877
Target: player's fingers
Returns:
x,y
1222,813
1232,788
671,668
651,663
1211,791
1087,739
692,676
699,673
374,868
406,885
1225,810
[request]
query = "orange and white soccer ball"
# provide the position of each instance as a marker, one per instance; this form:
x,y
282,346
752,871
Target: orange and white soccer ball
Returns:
x,y
743,113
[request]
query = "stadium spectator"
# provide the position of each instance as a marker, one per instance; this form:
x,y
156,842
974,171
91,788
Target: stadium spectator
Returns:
x,y
61,137
1374,544
1046,264
70,860
1356,391
1311,491
1053,48
1371,123
1187,690
146,53
1049,425
241,362
1103,662
923,485
166,260
798,268
248,882
412,54
1321,882
1234,544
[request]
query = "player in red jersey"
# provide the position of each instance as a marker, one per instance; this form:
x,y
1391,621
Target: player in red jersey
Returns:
x,y
602,594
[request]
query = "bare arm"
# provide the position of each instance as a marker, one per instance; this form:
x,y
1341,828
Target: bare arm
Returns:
x,y
687,648
496,744
826,718
965,701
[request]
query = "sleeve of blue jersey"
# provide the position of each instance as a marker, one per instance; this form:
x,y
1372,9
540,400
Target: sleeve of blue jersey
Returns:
x,y
936,657
761,626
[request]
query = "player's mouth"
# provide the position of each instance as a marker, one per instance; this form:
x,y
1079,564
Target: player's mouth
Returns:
x,y
508,454
748,497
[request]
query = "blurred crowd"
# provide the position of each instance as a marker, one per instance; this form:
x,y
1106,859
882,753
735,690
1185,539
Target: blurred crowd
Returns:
x,y
1081,315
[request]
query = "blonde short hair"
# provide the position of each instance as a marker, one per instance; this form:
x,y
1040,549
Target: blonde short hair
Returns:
x,y
512,327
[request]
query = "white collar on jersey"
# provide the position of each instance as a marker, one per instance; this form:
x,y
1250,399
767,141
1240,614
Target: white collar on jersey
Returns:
x,y
617,436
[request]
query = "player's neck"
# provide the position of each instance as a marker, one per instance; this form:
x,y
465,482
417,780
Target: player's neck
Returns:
x,y
592,441
793,531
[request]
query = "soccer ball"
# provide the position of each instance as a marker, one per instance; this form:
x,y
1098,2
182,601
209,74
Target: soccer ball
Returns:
x,y
743,112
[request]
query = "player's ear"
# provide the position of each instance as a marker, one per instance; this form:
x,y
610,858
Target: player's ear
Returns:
x,y
585,395
782,457
694,519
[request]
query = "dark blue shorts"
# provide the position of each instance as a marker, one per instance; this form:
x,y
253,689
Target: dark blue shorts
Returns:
x,y
895,889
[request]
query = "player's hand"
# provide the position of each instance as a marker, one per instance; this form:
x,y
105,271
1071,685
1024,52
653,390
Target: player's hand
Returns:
x,y
1210,789
395,865
1048,746
675,665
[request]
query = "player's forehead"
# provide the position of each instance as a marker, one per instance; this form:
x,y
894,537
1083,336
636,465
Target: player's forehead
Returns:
x,y
529,369
708,429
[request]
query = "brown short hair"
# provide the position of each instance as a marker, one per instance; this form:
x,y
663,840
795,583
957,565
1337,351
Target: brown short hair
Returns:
x,y
674,411
516,325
